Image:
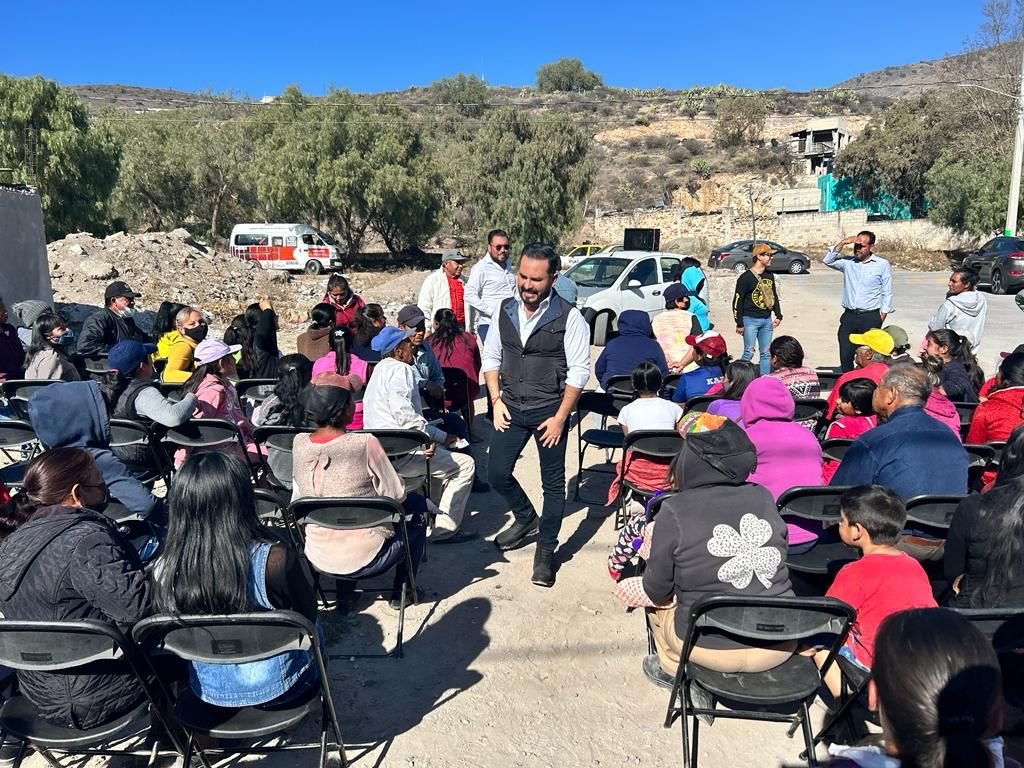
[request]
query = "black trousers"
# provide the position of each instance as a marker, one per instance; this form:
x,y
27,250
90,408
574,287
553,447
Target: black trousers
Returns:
x,y
854,321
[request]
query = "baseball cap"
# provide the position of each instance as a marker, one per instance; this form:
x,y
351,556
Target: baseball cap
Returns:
x,y
453,255
710,343
119,288
899,336
389,338
126,356
677,291
763,248
410,315
211,350
1016,351
876,339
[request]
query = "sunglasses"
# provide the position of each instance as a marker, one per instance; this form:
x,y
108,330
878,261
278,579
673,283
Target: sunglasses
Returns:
x,y
503,247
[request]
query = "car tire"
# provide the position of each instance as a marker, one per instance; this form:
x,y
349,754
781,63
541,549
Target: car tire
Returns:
x,y
796,267
602,329
998,286
313,267
739,267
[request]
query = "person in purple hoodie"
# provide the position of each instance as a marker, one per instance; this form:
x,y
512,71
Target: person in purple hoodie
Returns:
x,y
788,454
738,376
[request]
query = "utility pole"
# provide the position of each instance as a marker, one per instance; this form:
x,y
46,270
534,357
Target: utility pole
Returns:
x,y
753,218
1018,157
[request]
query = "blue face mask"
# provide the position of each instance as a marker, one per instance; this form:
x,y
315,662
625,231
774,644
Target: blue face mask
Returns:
x,y
65,339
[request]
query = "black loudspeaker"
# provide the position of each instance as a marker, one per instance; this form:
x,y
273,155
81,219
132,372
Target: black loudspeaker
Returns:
x,y
641,240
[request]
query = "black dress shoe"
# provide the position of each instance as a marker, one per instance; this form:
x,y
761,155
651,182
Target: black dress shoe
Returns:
x,y
543,568
515,535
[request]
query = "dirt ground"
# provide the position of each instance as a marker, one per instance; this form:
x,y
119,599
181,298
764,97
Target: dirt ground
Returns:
x,y
499,672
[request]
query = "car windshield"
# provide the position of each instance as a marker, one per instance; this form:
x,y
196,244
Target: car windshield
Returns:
x,y
326,238
597,272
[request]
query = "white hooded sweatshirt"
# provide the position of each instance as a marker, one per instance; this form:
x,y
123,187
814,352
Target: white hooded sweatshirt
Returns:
x,y
964,314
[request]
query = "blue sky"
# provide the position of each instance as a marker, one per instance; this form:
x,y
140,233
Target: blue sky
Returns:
x,y
260,47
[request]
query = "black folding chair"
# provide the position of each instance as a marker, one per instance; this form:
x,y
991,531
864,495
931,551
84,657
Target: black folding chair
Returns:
x,y
835,448
621,388
980,457
933,511
769,695
855,681
238,639
18,391
456,394
604,405
812,410
274,444
136,444
355,514
208,434
401,443
668,387
820,504
19,444
272,510
699,403
64,647
966,412
827,379
255,391
170,389
649,444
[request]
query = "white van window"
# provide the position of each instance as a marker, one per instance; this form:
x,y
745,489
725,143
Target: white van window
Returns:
x,y
290,241
250,239
277,242
307,239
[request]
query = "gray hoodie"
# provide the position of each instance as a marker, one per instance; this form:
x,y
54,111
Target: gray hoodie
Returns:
x,y
963,313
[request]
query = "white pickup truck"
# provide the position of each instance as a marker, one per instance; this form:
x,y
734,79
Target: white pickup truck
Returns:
x,y
610,283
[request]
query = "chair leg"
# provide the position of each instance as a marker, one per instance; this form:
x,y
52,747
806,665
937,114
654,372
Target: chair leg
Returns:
x,y
684,727
397,653
694,738
808,736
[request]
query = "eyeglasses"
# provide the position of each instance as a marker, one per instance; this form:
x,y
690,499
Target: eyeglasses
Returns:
x,y
503,247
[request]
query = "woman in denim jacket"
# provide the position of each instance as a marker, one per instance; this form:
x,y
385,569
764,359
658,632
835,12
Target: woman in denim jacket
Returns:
x,y
218,559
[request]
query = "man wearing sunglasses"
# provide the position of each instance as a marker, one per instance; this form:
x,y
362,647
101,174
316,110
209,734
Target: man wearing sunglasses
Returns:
x,y
491,281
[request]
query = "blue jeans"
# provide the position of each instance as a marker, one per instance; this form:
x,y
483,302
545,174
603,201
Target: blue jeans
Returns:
x,y
759,330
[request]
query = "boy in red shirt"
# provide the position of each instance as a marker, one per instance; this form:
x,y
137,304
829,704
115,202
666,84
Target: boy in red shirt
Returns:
x,y
882,582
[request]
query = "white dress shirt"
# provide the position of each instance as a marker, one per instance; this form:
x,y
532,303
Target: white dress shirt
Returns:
x,y
489,284
576,342
392,400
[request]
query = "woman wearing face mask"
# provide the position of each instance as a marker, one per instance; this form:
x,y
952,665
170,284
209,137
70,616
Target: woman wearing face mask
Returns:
x,y
49,356
191,328
61,559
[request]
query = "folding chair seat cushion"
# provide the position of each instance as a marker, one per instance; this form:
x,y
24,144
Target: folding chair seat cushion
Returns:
x,y
796,678
245,722
19,719
823,558
604,438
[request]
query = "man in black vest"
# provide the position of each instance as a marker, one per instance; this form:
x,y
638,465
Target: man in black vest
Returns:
x,y
535,366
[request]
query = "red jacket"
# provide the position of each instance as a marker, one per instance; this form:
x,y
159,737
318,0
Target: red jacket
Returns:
x,y
345,315
997,417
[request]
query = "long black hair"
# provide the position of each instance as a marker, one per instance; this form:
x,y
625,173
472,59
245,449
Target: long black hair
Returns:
x,y
939,688
49,479
341,343
738,376
205,562
959,349
1004,505
448,330
1011,371
191,386
241,334
322,315
44,325
646,378
293,373
364,323
164,322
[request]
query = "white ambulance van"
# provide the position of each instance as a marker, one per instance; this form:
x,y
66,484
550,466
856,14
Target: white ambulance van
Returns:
x,y
295,247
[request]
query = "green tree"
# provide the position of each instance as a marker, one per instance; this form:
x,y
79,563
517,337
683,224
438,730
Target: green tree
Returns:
x,y
898,148
741,119
467,95
530,176
47,139
968,191
566,75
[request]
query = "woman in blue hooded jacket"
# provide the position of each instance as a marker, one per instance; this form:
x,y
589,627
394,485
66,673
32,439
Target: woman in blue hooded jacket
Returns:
x,y
695,279
634,344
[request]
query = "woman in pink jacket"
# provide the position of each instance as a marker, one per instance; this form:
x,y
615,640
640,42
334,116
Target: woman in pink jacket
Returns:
x,y
788,454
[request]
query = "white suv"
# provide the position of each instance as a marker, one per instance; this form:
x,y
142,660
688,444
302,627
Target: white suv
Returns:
x,y
610,283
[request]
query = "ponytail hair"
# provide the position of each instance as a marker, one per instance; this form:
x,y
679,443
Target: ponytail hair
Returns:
x,y
341,341
960,350
646,378
49,479
939,688
448,330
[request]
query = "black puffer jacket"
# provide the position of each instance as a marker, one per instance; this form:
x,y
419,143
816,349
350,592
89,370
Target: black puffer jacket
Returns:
x,y
105,328
68,563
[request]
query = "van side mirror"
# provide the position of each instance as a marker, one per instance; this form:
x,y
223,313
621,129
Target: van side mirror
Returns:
x,y
634,284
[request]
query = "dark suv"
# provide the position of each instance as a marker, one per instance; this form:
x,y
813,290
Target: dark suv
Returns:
x,y
736,256
1000,263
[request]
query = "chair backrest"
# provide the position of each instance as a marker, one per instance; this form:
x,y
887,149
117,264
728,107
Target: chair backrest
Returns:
x,y
810,408
655,443
827,379
600,403
812,502
771,619
346,514
50,646
1003,626
269,505
168,388
979,455
933,510
700,403
15,433
835,448
965,411
621,388
226,639
128,432
18,392
399,442
656,502
997,451
278,436
256,390
456,386
204,433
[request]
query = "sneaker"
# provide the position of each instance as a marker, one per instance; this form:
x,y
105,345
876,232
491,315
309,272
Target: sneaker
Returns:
x,y
456,538
654,672
543,568
515,535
